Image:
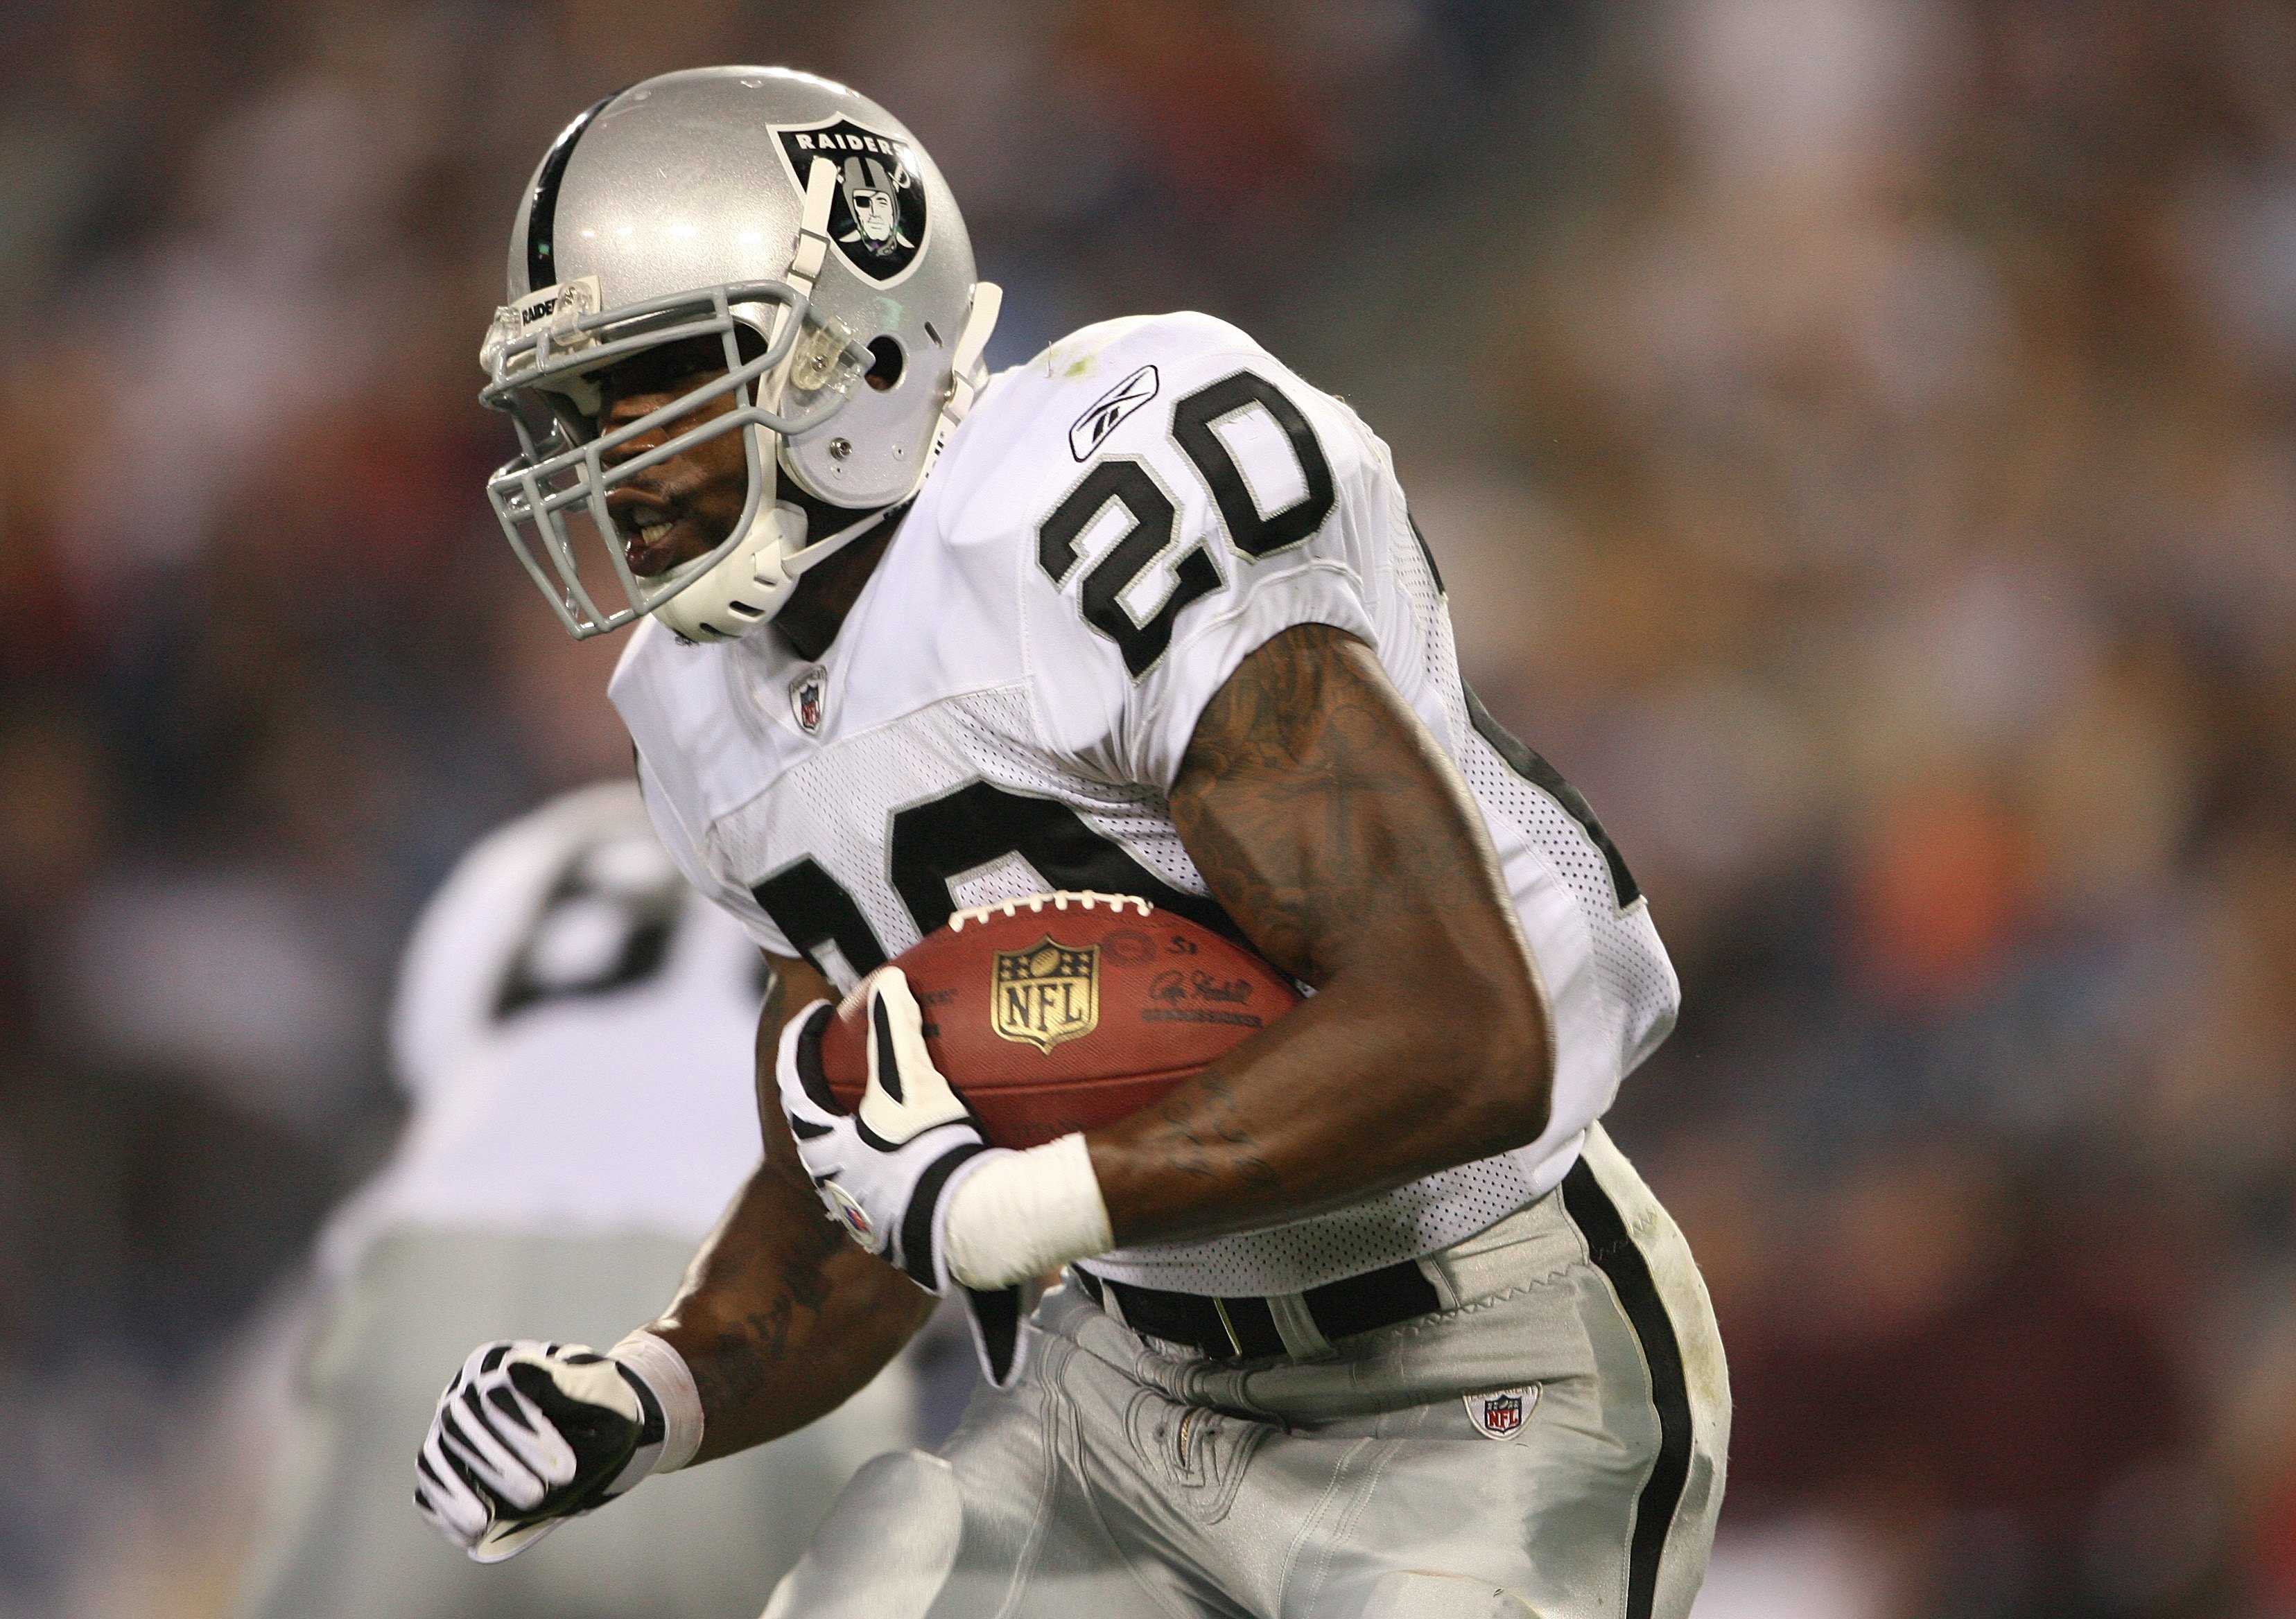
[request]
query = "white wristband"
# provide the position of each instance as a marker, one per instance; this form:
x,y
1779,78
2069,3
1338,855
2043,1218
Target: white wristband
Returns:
x,y
1022,1213
665,1372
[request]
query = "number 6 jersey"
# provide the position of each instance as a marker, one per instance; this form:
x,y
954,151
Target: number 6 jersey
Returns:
x,y
1116,526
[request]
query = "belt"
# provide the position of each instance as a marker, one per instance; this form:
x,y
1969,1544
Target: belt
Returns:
x,y
1245,1328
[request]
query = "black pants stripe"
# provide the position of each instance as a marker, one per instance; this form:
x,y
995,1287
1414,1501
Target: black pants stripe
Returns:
x,y
1614,1251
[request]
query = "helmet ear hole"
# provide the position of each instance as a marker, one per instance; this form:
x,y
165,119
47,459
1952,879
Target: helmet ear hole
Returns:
x,y
887,362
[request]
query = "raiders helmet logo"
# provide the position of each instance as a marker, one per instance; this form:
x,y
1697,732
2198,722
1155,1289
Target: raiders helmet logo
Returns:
x,y
877,216
1500,1413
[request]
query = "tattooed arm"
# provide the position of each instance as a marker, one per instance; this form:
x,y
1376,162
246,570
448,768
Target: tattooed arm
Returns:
x,y
781,1318
1345,844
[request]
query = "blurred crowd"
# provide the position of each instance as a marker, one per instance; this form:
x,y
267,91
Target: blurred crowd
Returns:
x,y
1860,439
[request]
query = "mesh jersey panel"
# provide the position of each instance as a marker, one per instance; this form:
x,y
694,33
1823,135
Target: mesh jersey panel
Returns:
x,y
1628,956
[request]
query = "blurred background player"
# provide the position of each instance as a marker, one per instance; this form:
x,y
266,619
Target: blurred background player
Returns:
x,y
573,1028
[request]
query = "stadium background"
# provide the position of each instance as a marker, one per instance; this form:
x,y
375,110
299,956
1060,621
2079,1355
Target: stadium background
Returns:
x,y
1858,435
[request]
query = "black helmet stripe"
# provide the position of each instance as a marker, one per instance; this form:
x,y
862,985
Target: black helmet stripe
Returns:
x,y
542,218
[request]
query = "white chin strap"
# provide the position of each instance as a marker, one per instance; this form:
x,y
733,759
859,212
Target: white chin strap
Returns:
x,y
965,366
750,583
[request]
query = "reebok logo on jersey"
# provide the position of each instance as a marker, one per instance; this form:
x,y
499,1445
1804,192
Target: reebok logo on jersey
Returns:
x,y
1111,407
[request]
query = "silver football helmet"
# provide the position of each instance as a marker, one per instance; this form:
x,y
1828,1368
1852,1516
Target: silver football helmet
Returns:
x,y
729,202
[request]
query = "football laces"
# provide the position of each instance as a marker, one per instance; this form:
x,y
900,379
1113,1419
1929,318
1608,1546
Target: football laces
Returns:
x,y
1058,899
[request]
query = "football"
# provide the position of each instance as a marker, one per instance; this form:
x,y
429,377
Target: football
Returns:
x,y
1067,1011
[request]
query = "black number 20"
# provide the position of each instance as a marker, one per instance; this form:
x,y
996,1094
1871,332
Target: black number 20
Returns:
x,y
1127,482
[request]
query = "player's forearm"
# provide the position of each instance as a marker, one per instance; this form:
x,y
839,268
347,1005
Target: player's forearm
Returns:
x,y
780,1319
1333,1108
1344,844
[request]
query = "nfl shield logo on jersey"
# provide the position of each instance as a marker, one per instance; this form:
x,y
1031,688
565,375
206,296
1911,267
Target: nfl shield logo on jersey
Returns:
x,y
1499,1414
805,693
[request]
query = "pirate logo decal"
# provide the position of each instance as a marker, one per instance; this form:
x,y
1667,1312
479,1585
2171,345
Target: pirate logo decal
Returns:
x,y
877,215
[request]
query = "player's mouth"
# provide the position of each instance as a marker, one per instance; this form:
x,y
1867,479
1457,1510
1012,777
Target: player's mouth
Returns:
x,y
656,534
649,551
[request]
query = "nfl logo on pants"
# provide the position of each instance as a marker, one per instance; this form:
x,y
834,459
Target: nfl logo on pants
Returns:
x,y
1499,1414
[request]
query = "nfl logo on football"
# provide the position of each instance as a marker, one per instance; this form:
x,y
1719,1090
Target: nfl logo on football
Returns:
x,y
1046,993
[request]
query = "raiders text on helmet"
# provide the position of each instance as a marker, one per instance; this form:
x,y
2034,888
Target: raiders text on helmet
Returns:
x,y
712,203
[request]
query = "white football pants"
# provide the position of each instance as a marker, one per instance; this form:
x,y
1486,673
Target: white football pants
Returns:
x,y
1551,1443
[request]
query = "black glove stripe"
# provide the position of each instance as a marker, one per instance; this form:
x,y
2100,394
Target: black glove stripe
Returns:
x,y
450,1424
872,1140
475,1439
811,1077
463,1462
503,1401
477,1408
917,1219
888,1069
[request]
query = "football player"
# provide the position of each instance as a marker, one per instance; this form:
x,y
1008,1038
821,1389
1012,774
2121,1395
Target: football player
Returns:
x,y
1368,1317
570,1026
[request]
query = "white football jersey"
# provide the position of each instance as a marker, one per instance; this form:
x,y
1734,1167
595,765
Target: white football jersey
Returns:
x,y
1113,529
574,1029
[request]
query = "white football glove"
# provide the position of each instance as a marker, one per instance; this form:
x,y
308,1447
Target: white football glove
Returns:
x,y
529,1434
888,1171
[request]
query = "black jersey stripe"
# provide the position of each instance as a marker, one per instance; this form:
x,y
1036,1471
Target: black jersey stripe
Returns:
x,y
1614,1253
542,218
1531,765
